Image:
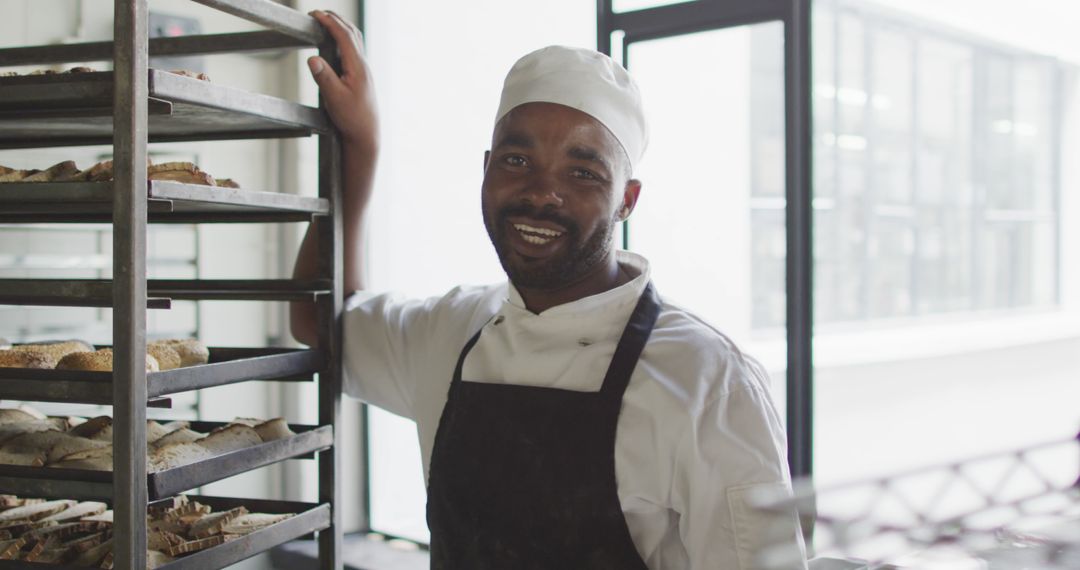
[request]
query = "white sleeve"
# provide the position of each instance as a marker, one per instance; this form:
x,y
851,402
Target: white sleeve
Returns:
x,y
383,340
733,450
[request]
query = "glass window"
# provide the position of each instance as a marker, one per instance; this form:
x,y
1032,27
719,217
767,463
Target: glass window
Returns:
x,y
711,214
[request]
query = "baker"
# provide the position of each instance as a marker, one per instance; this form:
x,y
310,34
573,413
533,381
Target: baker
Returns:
x,y
570,418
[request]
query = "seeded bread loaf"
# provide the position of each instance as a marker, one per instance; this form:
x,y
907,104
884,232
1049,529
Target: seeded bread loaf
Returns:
x,y
192,352
98,361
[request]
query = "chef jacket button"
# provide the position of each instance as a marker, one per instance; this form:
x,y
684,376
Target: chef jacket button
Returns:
x,y
584,342
498,320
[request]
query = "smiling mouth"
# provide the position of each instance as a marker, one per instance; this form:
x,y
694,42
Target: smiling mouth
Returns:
x,y
535,235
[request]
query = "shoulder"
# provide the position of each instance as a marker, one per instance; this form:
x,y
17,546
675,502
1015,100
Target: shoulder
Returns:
x,y
697,362
462,301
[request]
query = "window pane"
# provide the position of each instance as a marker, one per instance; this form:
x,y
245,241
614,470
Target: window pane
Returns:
x,y
711,212
947,275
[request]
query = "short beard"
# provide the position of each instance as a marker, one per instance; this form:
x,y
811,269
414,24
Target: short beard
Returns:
x,y
579,259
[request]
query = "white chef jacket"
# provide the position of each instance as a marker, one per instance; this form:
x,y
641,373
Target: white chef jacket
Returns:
x,y
698,432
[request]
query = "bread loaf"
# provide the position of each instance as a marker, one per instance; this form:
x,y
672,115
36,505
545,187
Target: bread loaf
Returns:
x,y
167,356
230,438
276,428
98,361
21,359
251,522
99,428
182,435
192,352
37,511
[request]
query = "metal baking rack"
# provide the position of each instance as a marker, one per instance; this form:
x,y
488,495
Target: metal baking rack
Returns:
x,y
1013,509
129,108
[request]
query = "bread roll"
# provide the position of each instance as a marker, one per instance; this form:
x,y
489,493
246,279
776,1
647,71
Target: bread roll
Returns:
x,y
98,361
56,350
23,359
230,438
192,352
168,358
276,428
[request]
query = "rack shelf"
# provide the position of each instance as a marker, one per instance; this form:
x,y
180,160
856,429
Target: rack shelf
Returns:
x,y
169,202
309,518
98,292
226,366
76,109
84,484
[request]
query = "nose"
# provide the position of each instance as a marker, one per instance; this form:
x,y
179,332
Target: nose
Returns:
x,y
542,191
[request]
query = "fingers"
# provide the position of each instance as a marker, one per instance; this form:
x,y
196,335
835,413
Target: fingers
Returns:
x,y
324,76
347,38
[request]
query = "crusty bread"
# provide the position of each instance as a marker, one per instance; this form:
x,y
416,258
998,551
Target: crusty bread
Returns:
x,y
230,438
77,512
163,539
93,556
276,428
251,522
211,524
182,435
192,351
195,545
9,549
56,350
15,415
99,428
66,444
98,361
54,172
175,455
185,172
21,359
17,175
227,183
167,357
37,511
98,463
8,431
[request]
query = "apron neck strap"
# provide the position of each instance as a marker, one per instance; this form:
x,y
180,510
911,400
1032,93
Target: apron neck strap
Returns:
x,y
632,342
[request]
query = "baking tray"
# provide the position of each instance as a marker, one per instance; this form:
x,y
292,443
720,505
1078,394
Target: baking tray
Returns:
x,y
227,366
168,202
309,518
74,109
82,484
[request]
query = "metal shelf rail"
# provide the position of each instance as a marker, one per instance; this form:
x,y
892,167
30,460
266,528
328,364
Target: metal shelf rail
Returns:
x,y
131,107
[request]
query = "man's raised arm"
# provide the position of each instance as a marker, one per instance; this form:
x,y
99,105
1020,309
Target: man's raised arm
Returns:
x,y
350,102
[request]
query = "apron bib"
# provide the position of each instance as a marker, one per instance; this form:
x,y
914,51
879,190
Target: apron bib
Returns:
x,y
523,477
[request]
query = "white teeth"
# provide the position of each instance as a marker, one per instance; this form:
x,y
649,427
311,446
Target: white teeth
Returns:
x,y
541,231
534,239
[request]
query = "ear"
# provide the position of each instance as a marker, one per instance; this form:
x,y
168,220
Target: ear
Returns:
x,y
629,198
487,157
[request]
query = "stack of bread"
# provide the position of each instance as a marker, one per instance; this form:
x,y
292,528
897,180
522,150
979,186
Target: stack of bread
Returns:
x,y
30,438
67,171
77,355
80,533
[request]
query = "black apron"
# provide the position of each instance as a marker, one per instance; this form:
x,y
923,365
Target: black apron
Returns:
x,y
523,477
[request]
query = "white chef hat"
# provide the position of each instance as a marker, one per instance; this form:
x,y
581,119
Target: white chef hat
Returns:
x,y
583,79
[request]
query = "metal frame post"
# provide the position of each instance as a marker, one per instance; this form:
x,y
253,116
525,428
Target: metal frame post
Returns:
x,y
800,225
130,101
331,264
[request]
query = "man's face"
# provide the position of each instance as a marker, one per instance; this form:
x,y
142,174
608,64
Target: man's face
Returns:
x,y
555,185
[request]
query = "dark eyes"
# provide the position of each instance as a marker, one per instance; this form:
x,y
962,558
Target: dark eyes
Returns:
x,y
583,174
515,160
519,161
